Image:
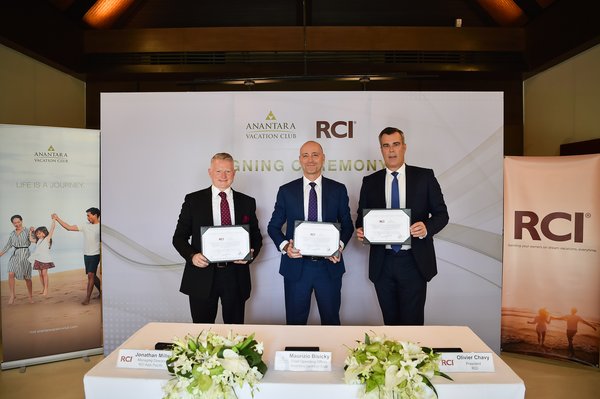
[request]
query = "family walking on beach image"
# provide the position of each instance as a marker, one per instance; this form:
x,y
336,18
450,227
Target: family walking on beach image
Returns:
x,y
62,299
32,250
567,336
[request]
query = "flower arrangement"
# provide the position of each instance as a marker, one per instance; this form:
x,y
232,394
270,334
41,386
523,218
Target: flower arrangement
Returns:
x,y
392,369
210,366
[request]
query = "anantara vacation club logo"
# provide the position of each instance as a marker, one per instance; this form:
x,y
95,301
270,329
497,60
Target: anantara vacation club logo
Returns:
x,y
271,128
51,155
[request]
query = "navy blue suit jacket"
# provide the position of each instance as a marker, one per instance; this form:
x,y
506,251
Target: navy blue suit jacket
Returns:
x,y
196,212
424,198
289,207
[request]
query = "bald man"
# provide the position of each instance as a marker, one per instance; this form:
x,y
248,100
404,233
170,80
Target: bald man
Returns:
x,y
303,275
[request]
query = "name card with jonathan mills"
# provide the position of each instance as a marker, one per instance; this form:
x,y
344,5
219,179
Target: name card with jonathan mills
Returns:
x,y
143,359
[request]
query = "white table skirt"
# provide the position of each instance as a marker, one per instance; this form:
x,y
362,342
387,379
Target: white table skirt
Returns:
x,y
106,380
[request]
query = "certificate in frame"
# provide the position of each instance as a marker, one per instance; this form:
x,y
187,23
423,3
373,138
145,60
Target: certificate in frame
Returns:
x,y
226,243
387,226
317,238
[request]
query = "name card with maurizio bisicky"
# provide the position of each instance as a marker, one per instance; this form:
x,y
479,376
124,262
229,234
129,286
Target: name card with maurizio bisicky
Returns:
x,y
302,361
143,359
467,362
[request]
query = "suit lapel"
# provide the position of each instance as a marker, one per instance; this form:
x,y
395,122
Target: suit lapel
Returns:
x,y
236,208
380,192
408,192
207,215
324,194
299,197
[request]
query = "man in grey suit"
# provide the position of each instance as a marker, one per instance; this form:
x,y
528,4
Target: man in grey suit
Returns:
x,y
400,275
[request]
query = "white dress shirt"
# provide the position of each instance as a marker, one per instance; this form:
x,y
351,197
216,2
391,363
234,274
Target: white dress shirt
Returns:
x,y
318,189
401,190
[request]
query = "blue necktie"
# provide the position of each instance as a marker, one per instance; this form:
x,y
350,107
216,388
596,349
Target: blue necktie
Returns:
x,y
395,202
312,203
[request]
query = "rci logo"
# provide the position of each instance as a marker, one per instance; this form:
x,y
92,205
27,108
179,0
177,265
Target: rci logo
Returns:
x,y
528,220
339,129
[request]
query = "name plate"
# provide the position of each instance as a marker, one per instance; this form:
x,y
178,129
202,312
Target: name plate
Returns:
x,y
467,362
143,359
302,361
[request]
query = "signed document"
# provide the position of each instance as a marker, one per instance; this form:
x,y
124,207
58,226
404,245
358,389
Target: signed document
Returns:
x,y
317,238
386,226
226,243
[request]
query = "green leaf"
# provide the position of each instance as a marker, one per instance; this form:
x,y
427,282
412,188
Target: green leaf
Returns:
x,y
370,385
373,348
446,376
246,343
367,339
204,382
430,385
378,368
195,372
252,358
380,378
262,367
218,350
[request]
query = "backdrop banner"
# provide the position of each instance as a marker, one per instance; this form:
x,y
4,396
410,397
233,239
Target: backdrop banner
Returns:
x,y
45,170
551,284
156,148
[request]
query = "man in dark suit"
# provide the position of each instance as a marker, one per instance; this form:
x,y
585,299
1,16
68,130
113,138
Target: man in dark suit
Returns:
x,y
206,282
401,274
304,274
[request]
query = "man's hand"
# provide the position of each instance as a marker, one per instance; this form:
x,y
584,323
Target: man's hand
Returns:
x,y
336,259
291,251
199,260
418,230
360,234
244,262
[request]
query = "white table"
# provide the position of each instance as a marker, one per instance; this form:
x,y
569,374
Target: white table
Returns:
x,y
106,380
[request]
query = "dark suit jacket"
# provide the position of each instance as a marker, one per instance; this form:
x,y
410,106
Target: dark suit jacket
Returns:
x,y
426,202
289,207
196,212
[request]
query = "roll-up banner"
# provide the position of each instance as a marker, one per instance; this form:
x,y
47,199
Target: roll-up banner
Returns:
x,y
156,148
551,283
45,171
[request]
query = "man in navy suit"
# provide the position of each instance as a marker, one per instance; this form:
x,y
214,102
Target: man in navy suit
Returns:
x,y
205,283
400,275
304,274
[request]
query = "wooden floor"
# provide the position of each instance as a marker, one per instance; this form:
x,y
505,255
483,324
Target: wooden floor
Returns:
x,y
544,379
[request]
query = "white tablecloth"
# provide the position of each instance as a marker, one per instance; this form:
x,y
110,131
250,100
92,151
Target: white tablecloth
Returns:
x,y
106,380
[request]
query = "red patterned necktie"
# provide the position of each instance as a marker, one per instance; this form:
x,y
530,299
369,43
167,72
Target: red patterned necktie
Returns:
x,y
225,213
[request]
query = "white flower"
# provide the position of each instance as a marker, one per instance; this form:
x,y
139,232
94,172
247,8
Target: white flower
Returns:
x,y
210,366
259,347
408,368
411,348
391,369
233,362
392,378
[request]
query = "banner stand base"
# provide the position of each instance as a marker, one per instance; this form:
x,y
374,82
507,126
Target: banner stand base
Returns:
x,y
49,359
